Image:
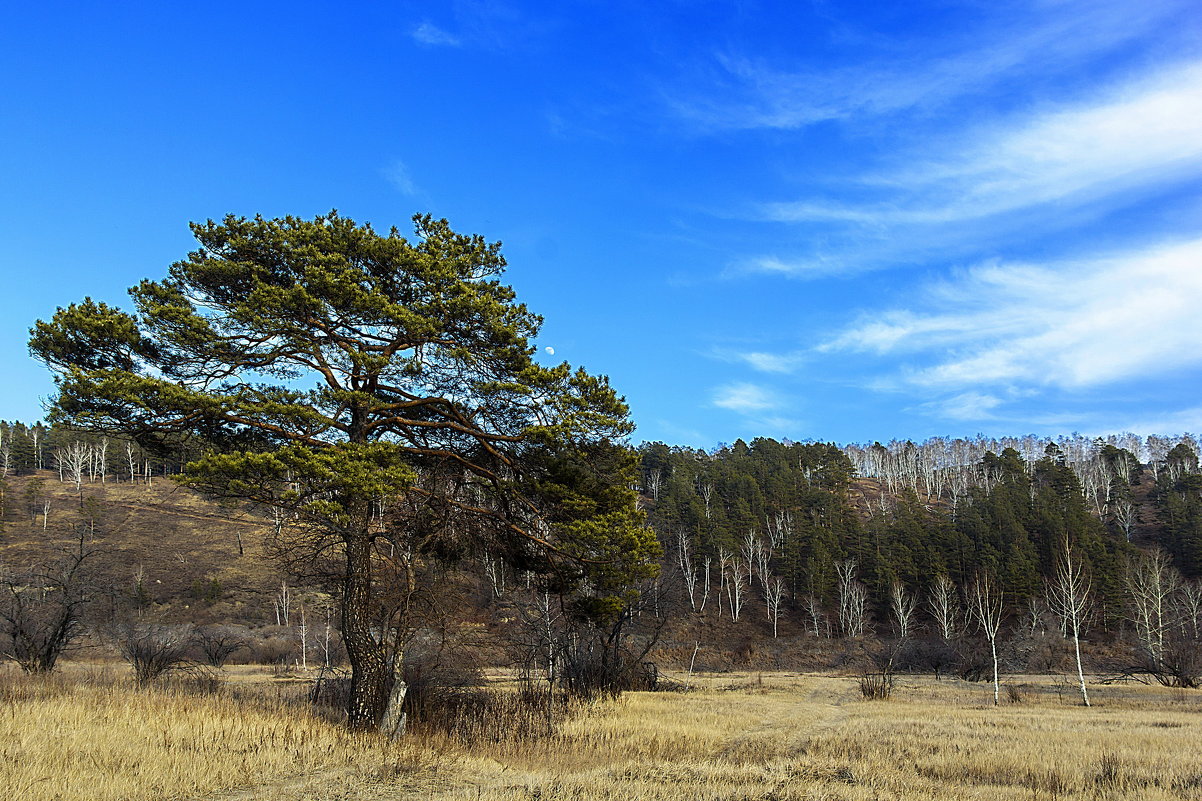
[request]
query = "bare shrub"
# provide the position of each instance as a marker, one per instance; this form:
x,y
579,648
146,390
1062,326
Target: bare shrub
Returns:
x,y
450,700
153,649
1037,652
331,689
478,714
876,686
277,647
592,672
975,664
219,643
40,609
432,675
1180,663
932,653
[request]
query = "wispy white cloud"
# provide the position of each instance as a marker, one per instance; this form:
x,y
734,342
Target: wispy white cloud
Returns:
x,y
427,33
761,410
1084,161
744,398
811,266
1147,132
1069,325
763,361
1168,423
921,74
397,174
773,362
492,25
974,406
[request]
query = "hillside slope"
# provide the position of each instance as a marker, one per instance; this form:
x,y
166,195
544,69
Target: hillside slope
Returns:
x,y
174,552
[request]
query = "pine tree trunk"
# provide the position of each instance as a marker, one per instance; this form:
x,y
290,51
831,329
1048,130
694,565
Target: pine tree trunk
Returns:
x,y
377,691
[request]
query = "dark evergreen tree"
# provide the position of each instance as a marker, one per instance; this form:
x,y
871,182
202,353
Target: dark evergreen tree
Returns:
x,y
330,371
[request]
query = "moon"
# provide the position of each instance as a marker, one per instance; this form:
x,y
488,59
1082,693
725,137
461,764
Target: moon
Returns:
x,y
550,350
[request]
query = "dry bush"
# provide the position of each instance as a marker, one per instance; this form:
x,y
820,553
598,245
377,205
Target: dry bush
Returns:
x,y
217,644
41,608
481,715
154,649
876,686
1029,651
275,645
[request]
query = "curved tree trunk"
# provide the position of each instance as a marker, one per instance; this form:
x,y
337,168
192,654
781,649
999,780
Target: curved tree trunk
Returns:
x,y
377,687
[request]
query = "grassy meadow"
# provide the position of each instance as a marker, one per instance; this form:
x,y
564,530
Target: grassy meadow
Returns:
x,y
92,735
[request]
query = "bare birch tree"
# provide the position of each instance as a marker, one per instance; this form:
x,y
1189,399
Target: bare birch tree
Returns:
x,y
706,489
6,450
132,462
753,554
688,570
724,558
737,585
1125,514
494,571
780,530
705,585
944,604
1151,583
902,606
283,605
985,605
817,617
72,460
655,482
775,593
1068,597
852,599
98,460
1189,599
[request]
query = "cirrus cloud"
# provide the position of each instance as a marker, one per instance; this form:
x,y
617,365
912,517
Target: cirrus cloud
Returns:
x,y
744,397
1073,324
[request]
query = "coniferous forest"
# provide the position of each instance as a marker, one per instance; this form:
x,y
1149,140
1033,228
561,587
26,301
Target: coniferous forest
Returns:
x,y
907,514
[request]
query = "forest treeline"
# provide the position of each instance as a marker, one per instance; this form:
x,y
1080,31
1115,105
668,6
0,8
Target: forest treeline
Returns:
x,y
873,542
903,515
903,512
77,455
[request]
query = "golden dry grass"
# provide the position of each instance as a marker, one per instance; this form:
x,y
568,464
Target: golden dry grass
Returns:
x,y
811,737
70,738
782,738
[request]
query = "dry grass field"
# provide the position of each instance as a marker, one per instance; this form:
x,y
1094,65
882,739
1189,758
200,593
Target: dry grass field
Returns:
x,y
92,736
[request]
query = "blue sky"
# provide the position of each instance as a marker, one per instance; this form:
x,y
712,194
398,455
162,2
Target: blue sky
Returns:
x,y
808,220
